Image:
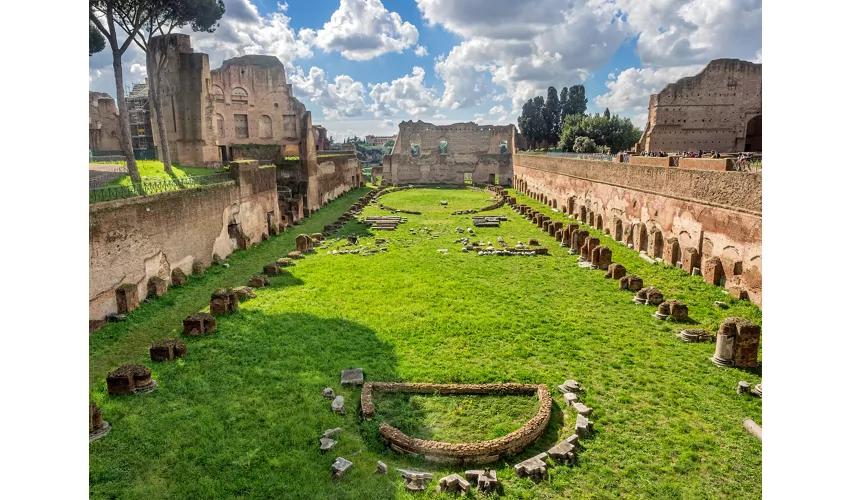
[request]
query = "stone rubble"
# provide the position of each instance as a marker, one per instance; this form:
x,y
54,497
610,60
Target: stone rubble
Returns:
x,y
453,483
534,468
338,405
353,376
414,480
485,480
339,467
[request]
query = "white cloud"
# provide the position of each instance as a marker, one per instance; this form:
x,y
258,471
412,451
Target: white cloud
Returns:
x,y
680,32
628,93
408,94
388,124
363,29
138,70
242,30
345,97
514,50
421,51
757,58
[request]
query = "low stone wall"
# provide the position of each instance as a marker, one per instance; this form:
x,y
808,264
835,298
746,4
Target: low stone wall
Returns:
x,y
337,175
467,453
718,164
651,161
136,239
665,212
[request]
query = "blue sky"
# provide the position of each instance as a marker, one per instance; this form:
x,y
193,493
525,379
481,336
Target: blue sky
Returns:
x,y
362,66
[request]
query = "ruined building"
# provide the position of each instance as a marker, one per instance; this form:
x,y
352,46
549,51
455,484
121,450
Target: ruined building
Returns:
x,y
104,133
451,154
244,109
719,109
320,136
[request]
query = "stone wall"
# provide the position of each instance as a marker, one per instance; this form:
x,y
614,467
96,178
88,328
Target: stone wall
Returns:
x,y
719,109
480,151
662,211
652,161
718,164
336,176
133,240
104,131
467,453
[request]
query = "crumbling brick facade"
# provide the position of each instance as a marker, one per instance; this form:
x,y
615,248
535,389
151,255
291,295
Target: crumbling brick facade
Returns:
x,y
449,154
104,131
718,109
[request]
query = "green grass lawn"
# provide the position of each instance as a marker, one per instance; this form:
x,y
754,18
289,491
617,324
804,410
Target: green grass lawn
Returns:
x,y
154,169
241,414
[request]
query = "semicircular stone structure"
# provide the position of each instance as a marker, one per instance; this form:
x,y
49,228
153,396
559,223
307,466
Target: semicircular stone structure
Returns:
x,y
482,452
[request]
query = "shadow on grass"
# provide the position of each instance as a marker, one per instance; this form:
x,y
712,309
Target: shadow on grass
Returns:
x,y
241,414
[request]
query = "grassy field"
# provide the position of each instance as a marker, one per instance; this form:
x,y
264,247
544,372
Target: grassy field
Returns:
x,y
154,169
241,414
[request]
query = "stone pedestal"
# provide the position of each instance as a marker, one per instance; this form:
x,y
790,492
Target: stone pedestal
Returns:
x,y
712,271
130,379
615,271
199,324
178,277
157,286
303,243
98,427
690,259
224,301
127,296
167,350
631,283
737,343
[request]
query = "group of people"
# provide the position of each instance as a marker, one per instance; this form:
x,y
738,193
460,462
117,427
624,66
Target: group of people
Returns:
x,y
685,154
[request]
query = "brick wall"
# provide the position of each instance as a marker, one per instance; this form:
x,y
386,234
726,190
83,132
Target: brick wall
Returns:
x,y
716,213
132,240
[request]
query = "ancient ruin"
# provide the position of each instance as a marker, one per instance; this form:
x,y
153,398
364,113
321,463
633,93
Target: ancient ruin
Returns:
x,y
472,453
130,379
199,324
98,427
450,154
737,343
718,109
167,350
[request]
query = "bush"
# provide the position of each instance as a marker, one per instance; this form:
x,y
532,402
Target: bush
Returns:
x,y
584,144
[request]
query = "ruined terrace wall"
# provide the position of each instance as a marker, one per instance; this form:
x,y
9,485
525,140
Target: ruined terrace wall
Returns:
x,y
132,240
708,111
716,213
337,175
471,149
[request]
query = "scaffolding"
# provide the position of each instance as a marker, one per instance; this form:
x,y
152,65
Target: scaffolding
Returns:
x,y
138,105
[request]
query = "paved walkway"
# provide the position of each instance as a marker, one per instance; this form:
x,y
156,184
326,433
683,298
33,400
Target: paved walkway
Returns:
x,y
101,173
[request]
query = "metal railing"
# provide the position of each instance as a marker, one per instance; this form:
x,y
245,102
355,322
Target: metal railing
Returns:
x,y
155,186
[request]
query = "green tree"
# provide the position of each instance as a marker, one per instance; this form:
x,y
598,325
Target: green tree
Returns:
x,y
96,40
551,113
524,121
576,101
162,18
616,133
104,14
606,114
538,123
584,144
563,102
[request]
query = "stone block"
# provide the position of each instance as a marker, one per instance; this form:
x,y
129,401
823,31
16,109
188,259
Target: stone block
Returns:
x,y
690,259
695,335
352,376
631,283
533,242
166,350
485,480
178,277
198,268
272,270
130,379
581,408
244,293
584,427
415,480
259,281
127,297
326,444
649,296
570,398
224,301
615,271
295,255
338,405
303,243
565,451
736,292
284,262
328,393
600,257
570,386
533,468
453,483
737,343
339,467
712,271
98,427
317,236
199,324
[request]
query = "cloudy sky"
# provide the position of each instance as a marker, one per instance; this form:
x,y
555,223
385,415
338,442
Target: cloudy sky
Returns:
x,y
362,66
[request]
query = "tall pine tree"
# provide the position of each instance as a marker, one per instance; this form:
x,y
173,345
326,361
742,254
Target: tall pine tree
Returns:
x,y
551,112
